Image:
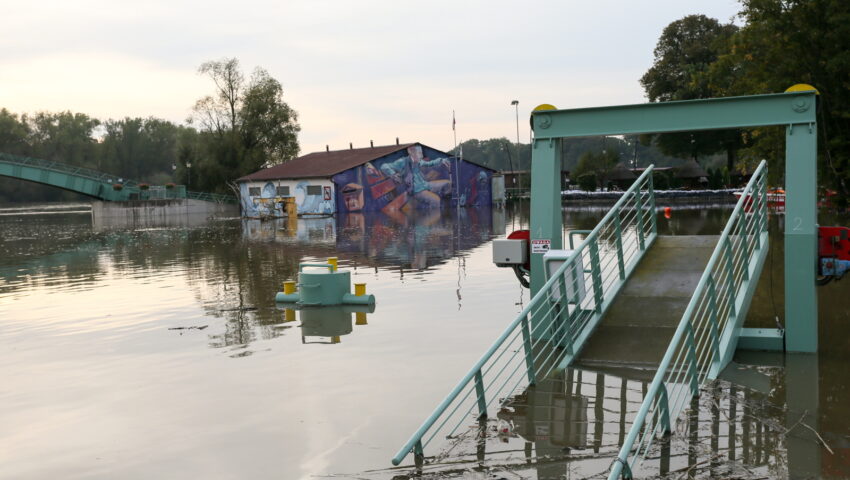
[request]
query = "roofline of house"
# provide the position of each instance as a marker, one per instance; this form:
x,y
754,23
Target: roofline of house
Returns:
x,y
402,146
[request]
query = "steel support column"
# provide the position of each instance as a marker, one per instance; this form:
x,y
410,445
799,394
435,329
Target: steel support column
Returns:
x,y
546,217
801,303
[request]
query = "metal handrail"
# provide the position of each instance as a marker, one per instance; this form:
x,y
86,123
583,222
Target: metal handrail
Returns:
x,y
211,197
131,185
66,168
561,314
704,340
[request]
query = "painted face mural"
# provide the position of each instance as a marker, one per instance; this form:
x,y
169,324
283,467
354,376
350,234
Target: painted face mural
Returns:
x,y
417,178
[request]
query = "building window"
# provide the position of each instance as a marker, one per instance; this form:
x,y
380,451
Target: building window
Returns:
x,y
282,191
314,189
253,191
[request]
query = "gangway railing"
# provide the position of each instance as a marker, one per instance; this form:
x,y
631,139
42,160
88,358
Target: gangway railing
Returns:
x,y
706,337
551,330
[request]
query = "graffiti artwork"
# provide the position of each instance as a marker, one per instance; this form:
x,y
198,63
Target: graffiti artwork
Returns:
x,y
416,178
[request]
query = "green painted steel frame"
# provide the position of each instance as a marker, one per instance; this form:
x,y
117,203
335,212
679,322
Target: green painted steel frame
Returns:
x,y
794,110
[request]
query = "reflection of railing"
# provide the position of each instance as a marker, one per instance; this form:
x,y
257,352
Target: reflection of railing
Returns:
x,y
705,337
66,169
557,321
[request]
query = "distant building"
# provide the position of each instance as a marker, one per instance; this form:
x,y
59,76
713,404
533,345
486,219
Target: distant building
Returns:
x,y
384,178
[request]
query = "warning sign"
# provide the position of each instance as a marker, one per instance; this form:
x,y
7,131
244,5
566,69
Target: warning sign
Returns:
x,y
541,245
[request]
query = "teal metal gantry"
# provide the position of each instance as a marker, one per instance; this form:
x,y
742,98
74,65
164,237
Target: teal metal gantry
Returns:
x,y
795,111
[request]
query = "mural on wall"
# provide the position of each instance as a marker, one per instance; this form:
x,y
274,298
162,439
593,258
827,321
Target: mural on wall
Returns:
x,y
319,204
418,178
264,205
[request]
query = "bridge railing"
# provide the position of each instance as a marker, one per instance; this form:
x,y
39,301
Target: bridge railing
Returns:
x,y
67,169
211,197
552,328
705,336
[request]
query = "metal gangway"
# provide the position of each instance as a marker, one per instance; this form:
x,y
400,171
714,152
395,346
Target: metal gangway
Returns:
x,y
550,332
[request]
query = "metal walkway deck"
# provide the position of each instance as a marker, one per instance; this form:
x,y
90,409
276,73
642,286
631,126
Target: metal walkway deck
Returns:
x,y
637,329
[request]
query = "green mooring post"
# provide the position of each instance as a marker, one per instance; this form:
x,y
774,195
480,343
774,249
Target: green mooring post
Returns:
x,y
795,110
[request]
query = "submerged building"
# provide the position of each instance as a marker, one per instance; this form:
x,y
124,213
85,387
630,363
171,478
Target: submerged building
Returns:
x,y
387,178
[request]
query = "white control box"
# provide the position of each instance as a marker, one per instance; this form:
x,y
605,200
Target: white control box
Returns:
x,y
508,252
574,276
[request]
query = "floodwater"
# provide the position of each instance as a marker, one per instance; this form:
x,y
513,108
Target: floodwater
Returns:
x,y
159,353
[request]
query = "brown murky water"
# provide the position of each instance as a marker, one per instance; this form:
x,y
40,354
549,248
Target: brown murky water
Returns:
x,y
160,353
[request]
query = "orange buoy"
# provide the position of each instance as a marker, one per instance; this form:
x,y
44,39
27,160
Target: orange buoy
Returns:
x,y
668,212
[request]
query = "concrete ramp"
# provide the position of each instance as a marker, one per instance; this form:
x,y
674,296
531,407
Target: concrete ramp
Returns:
x,y
636,331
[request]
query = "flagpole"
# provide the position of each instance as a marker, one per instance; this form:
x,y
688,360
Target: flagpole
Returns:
x,y
457,172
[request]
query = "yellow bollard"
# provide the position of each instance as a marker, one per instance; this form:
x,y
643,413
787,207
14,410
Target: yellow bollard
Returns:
x,y
333,261
288,315
359,289
335,339
360,318
289,287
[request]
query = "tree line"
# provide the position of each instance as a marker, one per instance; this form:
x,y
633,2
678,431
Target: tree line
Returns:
x,y
242,126
781,43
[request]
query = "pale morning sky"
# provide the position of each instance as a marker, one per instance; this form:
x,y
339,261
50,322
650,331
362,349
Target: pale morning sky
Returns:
x,y
354,70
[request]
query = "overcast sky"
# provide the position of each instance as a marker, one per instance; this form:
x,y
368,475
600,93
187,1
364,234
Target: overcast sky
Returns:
x,y
354,70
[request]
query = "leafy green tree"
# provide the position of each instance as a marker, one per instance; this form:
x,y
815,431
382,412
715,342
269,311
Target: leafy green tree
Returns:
x,y
600,164
14,133
683,56
64,137
245,125
143,149
785,42
587,182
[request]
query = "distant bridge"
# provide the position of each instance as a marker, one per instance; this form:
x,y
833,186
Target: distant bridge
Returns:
x,y
94,184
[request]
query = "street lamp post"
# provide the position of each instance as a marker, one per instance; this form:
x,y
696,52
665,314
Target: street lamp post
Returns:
x,y
515,103
188,175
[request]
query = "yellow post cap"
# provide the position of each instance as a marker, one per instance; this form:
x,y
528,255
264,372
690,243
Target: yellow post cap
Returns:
x,y
359,289
544,106
333,261
802,87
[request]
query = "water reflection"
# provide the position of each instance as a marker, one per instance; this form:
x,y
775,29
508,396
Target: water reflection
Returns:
x,y
415,241
762,422
328,324
113,330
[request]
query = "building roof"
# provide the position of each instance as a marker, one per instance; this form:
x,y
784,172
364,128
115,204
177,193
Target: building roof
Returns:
x,y
324,164
327,164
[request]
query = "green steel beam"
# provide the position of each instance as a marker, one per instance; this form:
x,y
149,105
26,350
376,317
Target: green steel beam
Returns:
x,y
681,116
